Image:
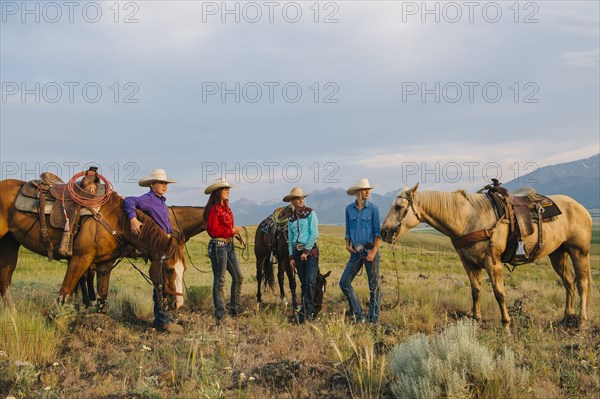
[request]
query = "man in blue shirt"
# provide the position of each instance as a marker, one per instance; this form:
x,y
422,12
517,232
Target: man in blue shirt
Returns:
x,y
153,204
363,234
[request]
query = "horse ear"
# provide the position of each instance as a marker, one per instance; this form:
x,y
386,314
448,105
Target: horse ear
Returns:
x,y
327,274
412,190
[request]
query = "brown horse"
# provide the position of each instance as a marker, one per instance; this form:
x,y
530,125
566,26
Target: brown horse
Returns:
x,y
264,263
458,213
187,221
93,244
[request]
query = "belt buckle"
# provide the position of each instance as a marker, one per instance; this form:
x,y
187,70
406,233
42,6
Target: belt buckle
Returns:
x,y
220,243
358,248
299,247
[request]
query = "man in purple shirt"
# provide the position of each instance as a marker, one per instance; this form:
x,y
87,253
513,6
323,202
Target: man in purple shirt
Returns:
x,y
153,204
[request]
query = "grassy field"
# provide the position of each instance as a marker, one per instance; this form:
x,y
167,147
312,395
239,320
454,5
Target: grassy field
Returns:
x,y
52,352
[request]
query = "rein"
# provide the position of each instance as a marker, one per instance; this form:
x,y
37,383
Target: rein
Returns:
x,y
400,218
161,283
144,275
245,247
390,307
403,215
185,244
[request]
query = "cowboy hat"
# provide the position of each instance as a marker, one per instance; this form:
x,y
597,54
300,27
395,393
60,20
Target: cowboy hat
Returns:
x,y
295,193
154,176
360,184
220,182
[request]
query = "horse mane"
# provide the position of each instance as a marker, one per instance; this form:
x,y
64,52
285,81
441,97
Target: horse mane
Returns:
x,y
438,202
479,201
151,234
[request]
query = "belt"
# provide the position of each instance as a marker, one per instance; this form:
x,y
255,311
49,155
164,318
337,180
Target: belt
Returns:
x,y
221,239
302,247
368,246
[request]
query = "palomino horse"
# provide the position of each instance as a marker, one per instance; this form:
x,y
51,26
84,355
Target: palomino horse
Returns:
x,y
187,221
93,244
264,264
458,213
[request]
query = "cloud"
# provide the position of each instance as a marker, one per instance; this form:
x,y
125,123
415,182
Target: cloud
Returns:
x,y
370,53
582,59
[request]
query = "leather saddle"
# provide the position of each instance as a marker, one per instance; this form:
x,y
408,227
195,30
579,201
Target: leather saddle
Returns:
x,y
528,206
522,209
28,200
51,196
275,225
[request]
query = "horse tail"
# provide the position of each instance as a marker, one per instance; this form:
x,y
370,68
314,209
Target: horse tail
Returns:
x,y
589,282
269,273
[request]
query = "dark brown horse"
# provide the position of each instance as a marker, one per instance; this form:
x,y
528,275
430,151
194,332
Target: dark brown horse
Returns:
x,y
187,221
320,289
264,263
263,241
93,244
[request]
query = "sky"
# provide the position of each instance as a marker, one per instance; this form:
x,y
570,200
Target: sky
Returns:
x,y
277,94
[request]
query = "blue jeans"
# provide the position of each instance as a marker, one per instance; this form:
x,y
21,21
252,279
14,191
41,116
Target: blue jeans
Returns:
x,y
162,316
308,271
222,257
352,269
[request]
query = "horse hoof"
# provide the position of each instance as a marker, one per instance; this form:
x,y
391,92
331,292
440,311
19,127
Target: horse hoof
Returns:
x,y
571,321
62,299
101,307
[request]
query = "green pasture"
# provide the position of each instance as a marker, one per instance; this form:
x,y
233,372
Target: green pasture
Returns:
x,y
422,277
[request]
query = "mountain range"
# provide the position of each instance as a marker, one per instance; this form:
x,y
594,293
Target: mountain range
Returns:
x,y
578,179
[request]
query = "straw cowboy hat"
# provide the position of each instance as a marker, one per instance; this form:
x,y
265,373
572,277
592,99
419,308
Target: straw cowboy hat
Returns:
x,y
220,182
295,193
360,184
154,176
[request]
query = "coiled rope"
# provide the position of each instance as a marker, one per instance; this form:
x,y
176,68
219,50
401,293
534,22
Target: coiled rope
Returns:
x,y
82,197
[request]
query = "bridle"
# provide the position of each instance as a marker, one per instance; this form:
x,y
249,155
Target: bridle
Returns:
x,y
163,269
404,213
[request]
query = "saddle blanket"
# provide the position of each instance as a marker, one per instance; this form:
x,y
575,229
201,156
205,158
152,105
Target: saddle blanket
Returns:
x,y
32,205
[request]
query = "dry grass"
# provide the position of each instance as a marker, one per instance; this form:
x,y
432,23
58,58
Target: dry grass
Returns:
x,y
264,355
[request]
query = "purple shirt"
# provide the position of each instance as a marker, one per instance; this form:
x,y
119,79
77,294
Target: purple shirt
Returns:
x,y
152,205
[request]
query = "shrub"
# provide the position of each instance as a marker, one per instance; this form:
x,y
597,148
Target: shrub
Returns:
x,y
197,296
454,365
130,305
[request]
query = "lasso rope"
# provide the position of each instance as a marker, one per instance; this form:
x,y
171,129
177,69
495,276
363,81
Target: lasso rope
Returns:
x,y
245,248
97,200
392,306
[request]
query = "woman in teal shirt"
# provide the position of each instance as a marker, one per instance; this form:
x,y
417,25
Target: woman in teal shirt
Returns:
x,y
303,232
